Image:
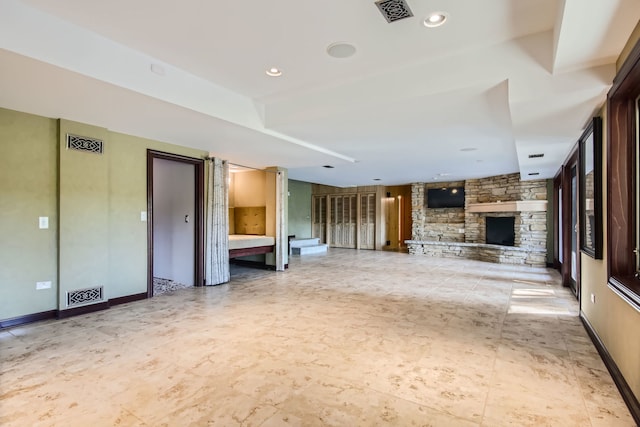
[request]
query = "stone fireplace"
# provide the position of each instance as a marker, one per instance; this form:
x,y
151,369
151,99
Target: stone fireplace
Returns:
x,y
462,232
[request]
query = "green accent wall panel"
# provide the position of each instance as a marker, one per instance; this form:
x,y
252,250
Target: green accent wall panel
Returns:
x,y
28,188
84,213
93,203
300,208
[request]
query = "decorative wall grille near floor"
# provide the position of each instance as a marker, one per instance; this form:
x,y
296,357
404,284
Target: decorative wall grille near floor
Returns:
x,y
84,296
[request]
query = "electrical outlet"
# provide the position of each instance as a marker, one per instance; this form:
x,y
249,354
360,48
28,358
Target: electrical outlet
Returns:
x,y
43,222
43,285
593,298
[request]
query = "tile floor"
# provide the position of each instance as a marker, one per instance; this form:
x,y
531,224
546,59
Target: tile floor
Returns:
x,y
351,338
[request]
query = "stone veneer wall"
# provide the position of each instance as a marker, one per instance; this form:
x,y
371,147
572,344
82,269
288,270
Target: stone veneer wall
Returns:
x,y
441,224
530,227
433,229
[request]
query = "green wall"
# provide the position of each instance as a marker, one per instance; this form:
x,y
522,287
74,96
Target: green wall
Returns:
x,y
299,208
83,212
95,199
28,190
127,199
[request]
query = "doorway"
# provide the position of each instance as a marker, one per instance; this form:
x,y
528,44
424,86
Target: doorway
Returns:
x,y
175,235
567,239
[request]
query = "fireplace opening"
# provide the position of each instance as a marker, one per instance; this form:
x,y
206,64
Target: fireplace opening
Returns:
x,y
500,231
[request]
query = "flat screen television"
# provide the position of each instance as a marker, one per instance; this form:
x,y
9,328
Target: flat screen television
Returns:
x,y
451,197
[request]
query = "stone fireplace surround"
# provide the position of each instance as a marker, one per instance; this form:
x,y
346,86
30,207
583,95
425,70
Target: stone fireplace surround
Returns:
x,y
460,232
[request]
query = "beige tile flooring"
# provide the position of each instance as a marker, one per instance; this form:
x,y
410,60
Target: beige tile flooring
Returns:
x,y
351,338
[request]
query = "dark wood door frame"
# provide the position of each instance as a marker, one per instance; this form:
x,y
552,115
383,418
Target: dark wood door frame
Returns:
x,y
567,229
557,223
199,214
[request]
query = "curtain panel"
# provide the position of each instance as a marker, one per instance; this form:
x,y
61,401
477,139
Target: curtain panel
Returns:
x,y
217,224
281,225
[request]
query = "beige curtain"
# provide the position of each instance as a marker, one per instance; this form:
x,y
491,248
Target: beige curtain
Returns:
x,y
281,222
217,232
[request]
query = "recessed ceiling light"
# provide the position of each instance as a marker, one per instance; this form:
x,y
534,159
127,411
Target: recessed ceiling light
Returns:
x,y
341,50
274,72
328,166
435,19
468,149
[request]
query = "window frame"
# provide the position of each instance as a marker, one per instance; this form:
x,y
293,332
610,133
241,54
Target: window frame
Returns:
x,y
621,180
590,145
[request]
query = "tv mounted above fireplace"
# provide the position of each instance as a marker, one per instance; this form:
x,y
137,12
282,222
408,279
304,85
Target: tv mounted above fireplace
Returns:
x,y
451,197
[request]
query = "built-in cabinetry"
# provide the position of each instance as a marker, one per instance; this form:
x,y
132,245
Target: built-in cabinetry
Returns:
x,y
345,220
367,217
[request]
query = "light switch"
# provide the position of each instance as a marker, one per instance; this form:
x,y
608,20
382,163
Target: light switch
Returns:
x,y
43,285
44,222
143,216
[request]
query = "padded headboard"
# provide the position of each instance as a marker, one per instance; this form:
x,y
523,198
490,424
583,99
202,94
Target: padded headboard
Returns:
x,y
250,220
232,221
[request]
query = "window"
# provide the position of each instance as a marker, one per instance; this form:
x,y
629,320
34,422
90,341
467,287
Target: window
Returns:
x,y
637,186
622,183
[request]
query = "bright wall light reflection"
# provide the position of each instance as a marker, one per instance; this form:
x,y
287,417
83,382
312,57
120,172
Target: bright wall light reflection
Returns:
x,y
536,301
532,309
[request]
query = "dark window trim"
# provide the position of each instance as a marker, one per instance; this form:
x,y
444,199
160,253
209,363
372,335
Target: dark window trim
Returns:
x,y
557,185
621,180
594,129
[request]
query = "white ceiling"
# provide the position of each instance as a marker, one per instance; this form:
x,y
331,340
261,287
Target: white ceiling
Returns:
x,y
502,79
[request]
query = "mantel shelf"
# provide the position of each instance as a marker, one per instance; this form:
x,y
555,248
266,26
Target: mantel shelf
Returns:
x,y
513,206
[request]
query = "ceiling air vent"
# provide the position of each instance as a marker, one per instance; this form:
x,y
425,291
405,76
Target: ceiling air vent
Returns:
x,y
84,296
83,143
536,156
394,10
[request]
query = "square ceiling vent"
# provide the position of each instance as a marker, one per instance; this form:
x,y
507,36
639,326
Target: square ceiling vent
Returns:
x,y
394,10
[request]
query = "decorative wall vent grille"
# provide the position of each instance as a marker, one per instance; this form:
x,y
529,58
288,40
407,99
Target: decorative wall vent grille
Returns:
x,y
394,10
84,296
82,143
